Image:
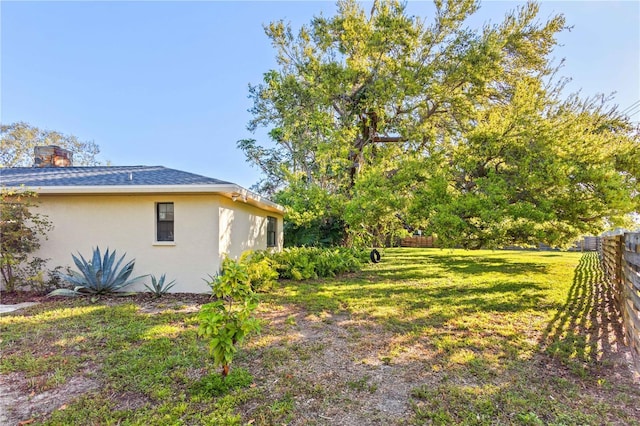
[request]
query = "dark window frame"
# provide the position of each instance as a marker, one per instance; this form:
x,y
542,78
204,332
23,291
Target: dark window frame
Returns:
x,y
272,231
165,222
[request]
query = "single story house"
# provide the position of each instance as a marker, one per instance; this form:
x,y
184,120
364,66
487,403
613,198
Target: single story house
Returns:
x,y
171,222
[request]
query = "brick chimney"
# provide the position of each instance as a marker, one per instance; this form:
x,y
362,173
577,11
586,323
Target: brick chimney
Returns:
x,y
52,156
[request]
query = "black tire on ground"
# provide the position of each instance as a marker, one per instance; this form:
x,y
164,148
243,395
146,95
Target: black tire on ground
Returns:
x,y
375,256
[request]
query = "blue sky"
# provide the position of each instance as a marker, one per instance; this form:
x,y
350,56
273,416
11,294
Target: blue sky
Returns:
x,y
165,83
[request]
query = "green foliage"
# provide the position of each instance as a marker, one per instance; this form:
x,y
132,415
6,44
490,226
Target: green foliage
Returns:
x,y
263,268
296,263
260,268
522,180
326,231
303,263
382,123
20,232
309,221
226,321
159,287
101,275
19,139
41,280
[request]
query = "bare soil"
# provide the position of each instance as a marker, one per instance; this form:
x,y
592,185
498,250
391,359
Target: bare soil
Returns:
x,y
15,297
340,363
18,406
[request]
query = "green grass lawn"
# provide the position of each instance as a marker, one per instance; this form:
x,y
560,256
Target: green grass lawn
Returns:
x,y
424,337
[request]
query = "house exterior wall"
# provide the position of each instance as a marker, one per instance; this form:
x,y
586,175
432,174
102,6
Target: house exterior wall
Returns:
x,y
205,227
244,229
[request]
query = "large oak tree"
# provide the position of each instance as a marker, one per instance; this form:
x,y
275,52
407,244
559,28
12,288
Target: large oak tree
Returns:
x,y
386,121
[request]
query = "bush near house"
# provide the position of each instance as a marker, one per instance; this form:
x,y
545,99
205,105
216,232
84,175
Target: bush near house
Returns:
x,y
261,269
20,232
301,263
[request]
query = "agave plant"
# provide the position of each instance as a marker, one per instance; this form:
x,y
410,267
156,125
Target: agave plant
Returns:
x,y
100,276
159,287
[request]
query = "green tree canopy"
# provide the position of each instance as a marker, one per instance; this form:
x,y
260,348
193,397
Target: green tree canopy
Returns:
x,y
389,122
17,141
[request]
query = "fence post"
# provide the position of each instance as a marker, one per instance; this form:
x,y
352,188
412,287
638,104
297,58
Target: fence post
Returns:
x,y
620,257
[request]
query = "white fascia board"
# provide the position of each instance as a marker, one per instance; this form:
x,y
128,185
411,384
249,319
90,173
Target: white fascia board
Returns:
x,y
232,191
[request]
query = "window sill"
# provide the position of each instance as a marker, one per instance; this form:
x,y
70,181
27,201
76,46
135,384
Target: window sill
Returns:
x,y
164,243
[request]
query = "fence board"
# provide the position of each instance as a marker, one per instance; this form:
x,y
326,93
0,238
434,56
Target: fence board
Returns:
x,y
632,295
620,257
634,278
632,258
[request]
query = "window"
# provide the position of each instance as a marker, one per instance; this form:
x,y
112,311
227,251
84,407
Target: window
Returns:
x,y
164,222
272,226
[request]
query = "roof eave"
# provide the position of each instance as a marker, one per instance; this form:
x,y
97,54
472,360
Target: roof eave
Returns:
x,y
231,191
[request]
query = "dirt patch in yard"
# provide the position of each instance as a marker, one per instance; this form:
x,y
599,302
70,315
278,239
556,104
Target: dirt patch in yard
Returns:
x,y
19,406
344,370
348,371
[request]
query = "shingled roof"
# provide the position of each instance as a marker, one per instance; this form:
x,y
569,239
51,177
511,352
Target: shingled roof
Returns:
x,y
126,180
101,176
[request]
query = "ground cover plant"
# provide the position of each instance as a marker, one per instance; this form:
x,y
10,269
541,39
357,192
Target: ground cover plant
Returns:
x,y
423,337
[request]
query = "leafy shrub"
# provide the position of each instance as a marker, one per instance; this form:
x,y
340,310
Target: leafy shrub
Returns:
x,y
40,280
99,276
325,231
296,263
302,263
228,320
21,230
159,287
261,270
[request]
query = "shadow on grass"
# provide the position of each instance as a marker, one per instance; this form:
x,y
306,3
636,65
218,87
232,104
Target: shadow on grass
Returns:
x,y
587,326
414,290
492,264
417,265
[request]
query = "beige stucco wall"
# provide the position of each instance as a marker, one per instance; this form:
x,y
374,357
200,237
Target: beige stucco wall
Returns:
x,y
242,229
205,227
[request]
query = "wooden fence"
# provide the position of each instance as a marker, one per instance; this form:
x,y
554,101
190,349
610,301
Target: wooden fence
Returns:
x,y
620,256
586,244
418,241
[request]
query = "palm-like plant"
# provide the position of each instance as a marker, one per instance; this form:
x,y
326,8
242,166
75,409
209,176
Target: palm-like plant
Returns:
x,y
100,276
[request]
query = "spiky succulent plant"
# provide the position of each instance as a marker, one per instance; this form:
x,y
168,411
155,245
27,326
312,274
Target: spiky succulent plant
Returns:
x,y
101,275
159,287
